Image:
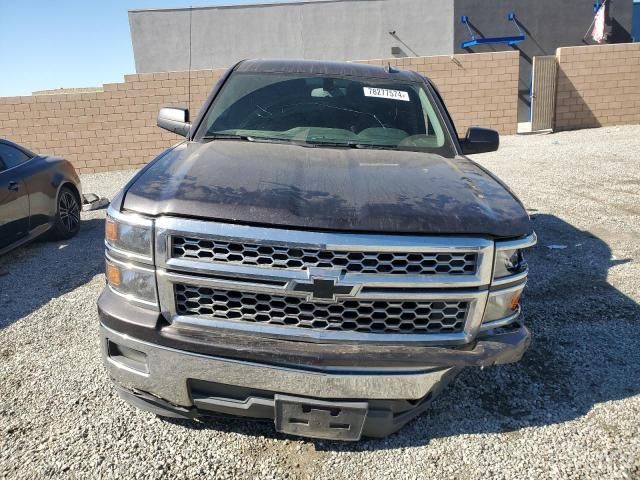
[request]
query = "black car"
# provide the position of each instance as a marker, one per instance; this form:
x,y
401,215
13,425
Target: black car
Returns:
x,y
38,194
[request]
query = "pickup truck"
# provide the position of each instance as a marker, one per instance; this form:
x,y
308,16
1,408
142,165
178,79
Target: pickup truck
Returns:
x,y
318,252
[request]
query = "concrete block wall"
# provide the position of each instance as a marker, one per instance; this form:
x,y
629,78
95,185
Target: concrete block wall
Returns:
x,y
598,86
479,90
116,128
113,129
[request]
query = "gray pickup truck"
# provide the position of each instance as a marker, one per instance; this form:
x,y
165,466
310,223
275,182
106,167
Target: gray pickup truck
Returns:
x,y
318,252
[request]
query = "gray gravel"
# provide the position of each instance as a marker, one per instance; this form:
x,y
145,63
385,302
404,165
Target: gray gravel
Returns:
x,y
570,409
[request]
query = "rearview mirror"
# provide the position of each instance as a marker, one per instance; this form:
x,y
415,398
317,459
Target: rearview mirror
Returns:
x,y
175,120
480,140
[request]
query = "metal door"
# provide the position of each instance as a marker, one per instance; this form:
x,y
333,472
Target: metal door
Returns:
x,y
543,92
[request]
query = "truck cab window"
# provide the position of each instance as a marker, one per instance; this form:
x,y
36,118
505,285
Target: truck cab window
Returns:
x,y
330,111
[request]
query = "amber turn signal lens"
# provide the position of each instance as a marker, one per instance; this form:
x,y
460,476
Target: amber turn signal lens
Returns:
x,y
111,230
114,276
515,301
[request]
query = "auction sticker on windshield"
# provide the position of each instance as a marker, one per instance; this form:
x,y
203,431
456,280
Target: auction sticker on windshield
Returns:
x,y
386,93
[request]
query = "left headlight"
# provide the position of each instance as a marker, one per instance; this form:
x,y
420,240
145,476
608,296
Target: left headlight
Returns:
x,y
509,279
509,262
503,305
510,258
132,236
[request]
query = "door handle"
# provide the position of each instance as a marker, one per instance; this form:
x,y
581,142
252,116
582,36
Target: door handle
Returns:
x,y
13,186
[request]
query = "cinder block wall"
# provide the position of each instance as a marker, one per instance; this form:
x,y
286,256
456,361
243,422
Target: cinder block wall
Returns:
x,y
479,89
598,86
116,128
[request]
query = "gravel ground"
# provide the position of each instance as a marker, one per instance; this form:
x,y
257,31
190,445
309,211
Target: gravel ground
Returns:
x,y
570,409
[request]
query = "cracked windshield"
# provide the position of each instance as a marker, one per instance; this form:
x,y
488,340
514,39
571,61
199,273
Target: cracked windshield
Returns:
x,y
326,111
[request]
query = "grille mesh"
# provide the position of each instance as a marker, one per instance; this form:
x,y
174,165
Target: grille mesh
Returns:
x,y
457,263
367,316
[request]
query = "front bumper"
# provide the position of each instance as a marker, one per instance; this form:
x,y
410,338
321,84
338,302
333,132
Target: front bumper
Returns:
x,y
176,372
177,383
165,373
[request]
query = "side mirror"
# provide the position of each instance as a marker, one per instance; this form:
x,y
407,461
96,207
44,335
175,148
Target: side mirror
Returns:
x,y
480,140
175,120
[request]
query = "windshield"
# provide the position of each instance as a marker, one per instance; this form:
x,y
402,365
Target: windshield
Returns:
x,y
326,111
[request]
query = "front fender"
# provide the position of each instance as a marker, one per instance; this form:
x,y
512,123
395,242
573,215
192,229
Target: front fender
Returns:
x,y
63,173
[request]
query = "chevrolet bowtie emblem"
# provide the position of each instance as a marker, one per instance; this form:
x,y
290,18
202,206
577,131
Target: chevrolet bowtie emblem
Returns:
x,y
323,289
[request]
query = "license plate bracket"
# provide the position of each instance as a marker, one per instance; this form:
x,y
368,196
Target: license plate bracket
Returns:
x,y
319,418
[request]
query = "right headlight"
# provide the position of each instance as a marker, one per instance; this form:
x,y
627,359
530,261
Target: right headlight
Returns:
x,y
131,281
129,257
130,235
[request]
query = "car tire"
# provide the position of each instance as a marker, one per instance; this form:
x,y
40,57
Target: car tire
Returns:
x,y
67,220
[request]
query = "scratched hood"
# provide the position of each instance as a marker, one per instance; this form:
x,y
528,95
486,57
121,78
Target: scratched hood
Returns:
x,y
327,189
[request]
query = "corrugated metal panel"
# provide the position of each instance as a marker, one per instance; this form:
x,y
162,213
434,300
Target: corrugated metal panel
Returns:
x,y
543,92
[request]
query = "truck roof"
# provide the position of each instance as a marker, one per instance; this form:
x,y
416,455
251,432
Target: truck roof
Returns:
x,y
318,67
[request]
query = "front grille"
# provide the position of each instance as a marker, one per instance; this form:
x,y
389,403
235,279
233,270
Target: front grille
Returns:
x,y
399,263
367,316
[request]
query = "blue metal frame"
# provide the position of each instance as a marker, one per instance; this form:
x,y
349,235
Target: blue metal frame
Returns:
x,y
635,23
510,40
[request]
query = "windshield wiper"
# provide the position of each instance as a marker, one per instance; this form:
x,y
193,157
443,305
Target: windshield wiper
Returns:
x,y
277,140
353,145
376,146
228,136
249,138
303,143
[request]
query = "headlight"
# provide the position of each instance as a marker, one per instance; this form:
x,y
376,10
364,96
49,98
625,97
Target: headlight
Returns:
x,y
509,278
129,257
503,305
131,236
509,262
509,258
133,282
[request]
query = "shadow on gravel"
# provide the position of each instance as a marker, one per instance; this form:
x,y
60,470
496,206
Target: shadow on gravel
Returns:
x,y
32,275
585,351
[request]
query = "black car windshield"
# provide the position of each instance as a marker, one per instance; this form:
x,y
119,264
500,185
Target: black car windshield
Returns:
x,y
331,111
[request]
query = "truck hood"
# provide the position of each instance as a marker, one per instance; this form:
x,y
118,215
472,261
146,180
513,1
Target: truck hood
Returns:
x,y
336,189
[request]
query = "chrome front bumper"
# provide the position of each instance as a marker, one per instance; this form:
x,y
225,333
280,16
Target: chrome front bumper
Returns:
x,y
165,373
301,398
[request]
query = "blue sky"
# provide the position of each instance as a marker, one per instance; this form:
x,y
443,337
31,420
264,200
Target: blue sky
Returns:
x,y
70,43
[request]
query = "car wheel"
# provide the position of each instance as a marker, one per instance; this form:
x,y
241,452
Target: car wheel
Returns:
x,y
67,220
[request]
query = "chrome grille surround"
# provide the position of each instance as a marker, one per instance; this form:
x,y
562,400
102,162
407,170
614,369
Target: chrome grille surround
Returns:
x,y
280,256
364,288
